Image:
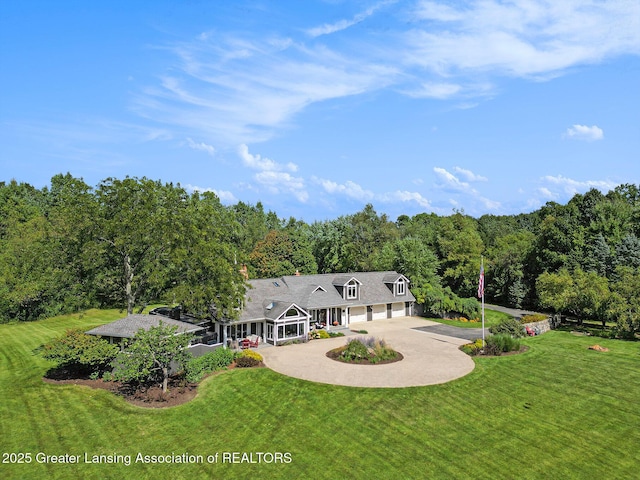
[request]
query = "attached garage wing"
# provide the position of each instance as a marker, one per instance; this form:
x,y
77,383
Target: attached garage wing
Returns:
x,y
357,314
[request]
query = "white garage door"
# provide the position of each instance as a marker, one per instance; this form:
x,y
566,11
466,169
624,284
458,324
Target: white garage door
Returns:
x,y
398,310
357,314
379,312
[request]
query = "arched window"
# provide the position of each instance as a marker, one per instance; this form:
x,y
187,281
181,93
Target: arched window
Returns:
x,y
352,290
292,312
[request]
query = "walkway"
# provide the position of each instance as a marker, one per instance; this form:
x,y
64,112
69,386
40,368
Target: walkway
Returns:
x,y
429,358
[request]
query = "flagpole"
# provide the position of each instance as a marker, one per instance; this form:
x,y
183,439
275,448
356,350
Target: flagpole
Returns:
x,y
482,288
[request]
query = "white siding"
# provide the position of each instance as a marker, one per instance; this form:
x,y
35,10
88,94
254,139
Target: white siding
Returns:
x,y
357,314
380,312
398,310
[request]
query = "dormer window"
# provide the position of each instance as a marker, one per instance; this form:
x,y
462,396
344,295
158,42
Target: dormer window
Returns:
x,y
400,288
352,290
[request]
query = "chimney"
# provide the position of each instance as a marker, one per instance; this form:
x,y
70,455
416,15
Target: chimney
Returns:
x,y
244,272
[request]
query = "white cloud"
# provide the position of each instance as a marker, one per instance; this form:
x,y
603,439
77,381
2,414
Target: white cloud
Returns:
x,y
571,187
450,179
405,196
546,193
277,182
348,188
257,162
201,146
582,132
469,175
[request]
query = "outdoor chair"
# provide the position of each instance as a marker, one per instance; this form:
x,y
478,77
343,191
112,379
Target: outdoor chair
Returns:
x,y
253,341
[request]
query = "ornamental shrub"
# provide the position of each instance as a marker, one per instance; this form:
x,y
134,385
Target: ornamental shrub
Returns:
x,y
318,333
501,343
509,326
246,362
472,348
198,367
356,350
250,354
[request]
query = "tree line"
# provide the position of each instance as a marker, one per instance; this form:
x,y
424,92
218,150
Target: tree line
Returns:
x,y
128,242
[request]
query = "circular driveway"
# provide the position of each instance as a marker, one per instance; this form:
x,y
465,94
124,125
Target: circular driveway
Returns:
x,y
429,358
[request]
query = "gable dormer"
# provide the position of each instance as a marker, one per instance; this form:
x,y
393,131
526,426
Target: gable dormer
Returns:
x,y
348,287
397,283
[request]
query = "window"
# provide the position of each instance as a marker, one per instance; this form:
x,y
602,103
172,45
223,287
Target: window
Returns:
x,y
400,288
292,312
352,290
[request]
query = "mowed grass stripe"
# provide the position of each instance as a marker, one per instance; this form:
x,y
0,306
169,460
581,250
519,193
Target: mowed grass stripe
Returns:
x,y
557,411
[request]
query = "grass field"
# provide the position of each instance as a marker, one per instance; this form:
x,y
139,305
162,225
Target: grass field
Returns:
x,y
557,411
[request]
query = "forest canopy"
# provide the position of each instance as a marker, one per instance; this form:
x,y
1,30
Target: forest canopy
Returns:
x,y
129,242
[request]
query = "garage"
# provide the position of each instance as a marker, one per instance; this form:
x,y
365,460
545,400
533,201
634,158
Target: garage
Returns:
x,y
398,310
357,314
379,312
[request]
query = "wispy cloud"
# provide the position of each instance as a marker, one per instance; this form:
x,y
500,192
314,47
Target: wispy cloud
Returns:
x,y
343,24
463,190
241,90
582,132
201,146
521,38
232,89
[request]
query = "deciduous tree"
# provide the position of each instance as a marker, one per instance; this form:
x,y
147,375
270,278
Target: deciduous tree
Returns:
x,y
150,354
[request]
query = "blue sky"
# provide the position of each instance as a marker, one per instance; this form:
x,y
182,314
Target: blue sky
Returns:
x,y
316,108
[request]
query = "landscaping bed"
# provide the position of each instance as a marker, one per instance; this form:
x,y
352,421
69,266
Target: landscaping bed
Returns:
x,y
365,351
150,395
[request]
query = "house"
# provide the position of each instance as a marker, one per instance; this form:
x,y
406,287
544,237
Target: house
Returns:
x,y
287,308
126,328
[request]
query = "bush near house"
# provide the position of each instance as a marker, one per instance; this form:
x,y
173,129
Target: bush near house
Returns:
x,y
198,367
318,333
248,358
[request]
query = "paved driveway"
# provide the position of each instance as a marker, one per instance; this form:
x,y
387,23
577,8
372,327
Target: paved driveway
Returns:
x,y
457,332
429,358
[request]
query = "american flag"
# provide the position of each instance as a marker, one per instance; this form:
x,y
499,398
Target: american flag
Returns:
x,y
481,282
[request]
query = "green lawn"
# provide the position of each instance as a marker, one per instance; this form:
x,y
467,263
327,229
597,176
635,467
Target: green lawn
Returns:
x,y
557,411
491,317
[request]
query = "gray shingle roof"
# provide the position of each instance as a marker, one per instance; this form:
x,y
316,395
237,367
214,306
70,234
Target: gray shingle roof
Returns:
x,y
129,326
375,288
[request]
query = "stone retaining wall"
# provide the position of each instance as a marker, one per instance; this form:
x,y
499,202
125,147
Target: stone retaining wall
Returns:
x,y
544,326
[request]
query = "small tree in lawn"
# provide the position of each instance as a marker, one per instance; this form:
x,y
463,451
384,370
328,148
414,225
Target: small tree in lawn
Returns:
x,y
150,354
